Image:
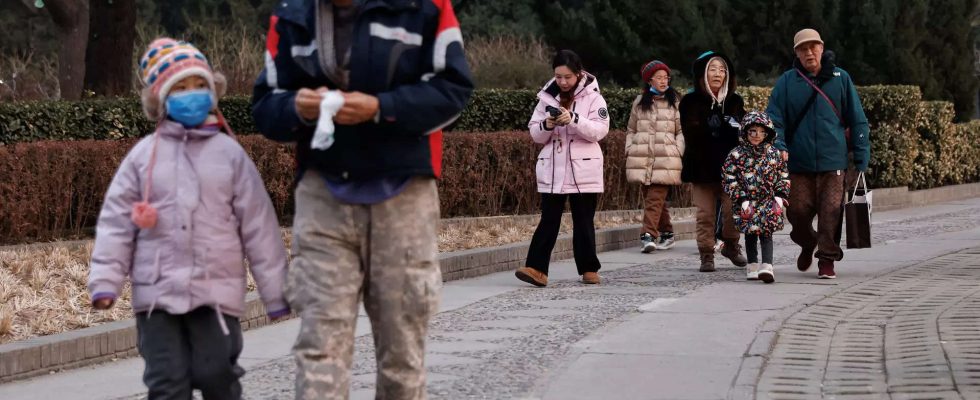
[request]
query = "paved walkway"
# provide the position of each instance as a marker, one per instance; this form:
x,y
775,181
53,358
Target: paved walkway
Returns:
x,y
901,322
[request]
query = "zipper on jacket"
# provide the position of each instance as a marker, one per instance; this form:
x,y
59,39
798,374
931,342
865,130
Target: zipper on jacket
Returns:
x,y
571,161
552,166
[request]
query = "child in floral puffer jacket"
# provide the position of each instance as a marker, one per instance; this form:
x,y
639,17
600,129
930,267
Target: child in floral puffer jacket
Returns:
x,y
756,178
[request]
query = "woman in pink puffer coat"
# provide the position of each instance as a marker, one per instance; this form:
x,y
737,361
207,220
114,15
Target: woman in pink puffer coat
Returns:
x,y
569,120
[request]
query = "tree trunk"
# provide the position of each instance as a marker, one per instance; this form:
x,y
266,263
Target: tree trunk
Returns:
x,y
109,57
71,18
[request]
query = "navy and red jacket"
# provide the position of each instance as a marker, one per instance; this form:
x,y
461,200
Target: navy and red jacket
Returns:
x,y
407,53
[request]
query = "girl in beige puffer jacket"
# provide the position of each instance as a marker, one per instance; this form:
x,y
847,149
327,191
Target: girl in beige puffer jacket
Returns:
x,y
654,147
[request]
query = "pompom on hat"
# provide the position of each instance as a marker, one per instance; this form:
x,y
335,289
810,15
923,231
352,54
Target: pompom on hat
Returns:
x,y
651,68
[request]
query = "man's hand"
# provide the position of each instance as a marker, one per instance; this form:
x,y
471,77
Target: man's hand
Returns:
x,y
565,118
308,103
358,107
785,155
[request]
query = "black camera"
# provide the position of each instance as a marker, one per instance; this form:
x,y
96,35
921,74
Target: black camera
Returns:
x,y
553,111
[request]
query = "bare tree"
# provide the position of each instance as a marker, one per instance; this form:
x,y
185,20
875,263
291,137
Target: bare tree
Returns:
x,y
108,60
72,19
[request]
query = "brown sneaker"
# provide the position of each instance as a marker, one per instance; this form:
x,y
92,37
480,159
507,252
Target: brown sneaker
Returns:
x,y
707,263
733,252
532,276
591,278
805,260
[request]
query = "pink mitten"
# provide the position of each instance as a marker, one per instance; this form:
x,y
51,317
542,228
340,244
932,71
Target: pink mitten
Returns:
x,y
747,210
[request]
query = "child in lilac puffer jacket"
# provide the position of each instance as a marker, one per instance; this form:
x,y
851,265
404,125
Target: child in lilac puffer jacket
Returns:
x,y
184,210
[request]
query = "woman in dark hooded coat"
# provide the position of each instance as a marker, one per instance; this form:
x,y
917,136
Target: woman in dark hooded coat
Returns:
x,y
710,117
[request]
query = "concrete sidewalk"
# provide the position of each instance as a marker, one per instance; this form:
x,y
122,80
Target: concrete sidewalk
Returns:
x,y
655,328
714,342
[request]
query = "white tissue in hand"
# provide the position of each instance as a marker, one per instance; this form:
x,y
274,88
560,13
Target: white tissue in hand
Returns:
x,y
323,136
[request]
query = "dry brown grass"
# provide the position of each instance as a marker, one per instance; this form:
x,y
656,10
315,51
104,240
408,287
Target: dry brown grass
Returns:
x,y
43,292
43,288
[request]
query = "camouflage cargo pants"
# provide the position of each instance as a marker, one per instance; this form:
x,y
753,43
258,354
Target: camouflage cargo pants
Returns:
x,y
385,253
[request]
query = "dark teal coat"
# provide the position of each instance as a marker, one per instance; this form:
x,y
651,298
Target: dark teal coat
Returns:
x,y
819,144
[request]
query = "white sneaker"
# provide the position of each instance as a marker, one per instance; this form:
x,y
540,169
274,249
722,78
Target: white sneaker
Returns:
x,y
752,272
665,241
647,243
766,273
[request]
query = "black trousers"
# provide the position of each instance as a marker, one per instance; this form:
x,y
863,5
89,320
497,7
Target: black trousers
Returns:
x,y
583,231
189,351
752,252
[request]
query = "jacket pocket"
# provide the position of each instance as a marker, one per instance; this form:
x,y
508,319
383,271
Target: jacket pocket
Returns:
x,y
146,265
587,171
545,171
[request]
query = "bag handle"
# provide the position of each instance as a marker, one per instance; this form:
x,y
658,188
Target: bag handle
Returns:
x,y
859,182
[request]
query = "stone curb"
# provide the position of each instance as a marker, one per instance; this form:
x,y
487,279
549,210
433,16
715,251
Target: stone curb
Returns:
x,y
106,342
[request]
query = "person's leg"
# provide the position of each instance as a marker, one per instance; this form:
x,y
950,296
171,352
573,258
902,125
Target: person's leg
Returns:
x,y
214,355
752,269
802,208
729,233
766,273
830,186
664,224
324,288
704,201
666,228
718,222
655,201
163,344
404,282
649,211
766,244
546,234
583,231
751,249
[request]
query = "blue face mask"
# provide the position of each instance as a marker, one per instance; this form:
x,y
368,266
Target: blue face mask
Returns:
x,y
657,92
190,108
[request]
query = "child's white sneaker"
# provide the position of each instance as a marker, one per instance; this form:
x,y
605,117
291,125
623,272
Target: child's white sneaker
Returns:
x,y
766,273
752,272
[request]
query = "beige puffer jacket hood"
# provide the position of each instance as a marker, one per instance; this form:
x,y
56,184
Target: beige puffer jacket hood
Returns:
x,y
654,144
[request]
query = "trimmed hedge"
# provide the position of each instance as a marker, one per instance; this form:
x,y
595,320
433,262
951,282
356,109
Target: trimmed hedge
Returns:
x,y
54,189
489,110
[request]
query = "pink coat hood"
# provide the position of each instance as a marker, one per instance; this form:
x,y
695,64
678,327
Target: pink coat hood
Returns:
x,y
571,160
213,212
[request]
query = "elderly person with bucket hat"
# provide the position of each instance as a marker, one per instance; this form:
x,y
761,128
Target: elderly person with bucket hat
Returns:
x,y
819,120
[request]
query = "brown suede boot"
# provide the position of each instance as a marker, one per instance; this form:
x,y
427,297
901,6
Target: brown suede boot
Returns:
x,y
733,252
591,278
532,276
707,262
